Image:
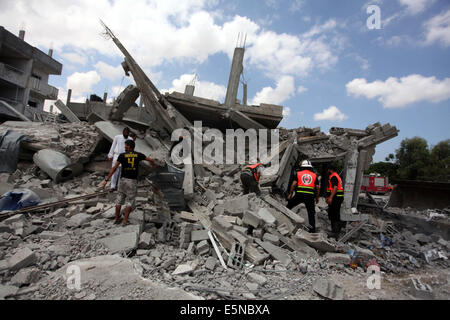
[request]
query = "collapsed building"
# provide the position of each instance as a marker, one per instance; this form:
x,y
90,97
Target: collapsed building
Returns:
x,y
190,225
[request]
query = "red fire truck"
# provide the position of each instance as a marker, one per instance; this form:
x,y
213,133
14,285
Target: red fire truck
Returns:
x,y
376,184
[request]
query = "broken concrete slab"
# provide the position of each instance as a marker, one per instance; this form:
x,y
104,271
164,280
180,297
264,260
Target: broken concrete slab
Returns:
x,y
183,269
276,252
267,216
124,242
237,206
78,220
117,276
220,223
259,279
271,238
210,263
203,247
252,219
337,258
146,241
23,258
52,235
199,235
315,240
274,203
328,289
6,290
420,290
25,277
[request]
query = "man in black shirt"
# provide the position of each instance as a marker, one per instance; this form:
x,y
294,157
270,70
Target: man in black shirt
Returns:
x,y
128,181
334,199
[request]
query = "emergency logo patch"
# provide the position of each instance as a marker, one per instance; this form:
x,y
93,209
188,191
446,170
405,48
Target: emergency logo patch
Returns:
x,y
307,179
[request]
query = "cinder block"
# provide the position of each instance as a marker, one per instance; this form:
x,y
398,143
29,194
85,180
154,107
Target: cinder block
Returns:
x,y
252,219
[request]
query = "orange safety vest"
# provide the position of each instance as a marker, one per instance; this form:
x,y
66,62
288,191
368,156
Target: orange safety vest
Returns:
x,y
340,190
306,181
253,169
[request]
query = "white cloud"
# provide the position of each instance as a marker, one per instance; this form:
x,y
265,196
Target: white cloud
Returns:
x,y
204,89
301,89
414,7
77,58
286,112
109,72
82,83
284,90
296,5
330,114
438,29
397,93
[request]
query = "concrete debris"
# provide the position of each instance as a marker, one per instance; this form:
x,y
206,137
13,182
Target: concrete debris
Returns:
x,y
420,290
190,209
328,289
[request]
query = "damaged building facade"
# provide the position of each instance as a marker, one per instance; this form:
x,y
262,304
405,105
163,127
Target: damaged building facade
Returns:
x,y
192,228
24,75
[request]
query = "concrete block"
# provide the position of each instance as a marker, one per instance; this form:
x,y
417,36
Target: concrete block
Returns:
x,y
210,263
191,248
252,286
222,223
420,290
146,241
266,216
52,235
124,242
252,219
259,279
78,220
283,229
203,247
338,258
271,238
328,289
23,258
199,235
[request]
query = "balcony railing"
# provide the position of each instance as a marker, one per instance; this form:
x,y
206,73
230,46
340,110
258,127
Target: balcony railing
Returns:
x,y
45,90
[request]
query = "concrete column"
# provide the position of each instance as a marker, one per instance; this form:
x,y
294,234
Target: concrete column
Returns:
x,y
22,35
69,95
50,52
362,158
351,165
189,90
235,74
105,96
244,98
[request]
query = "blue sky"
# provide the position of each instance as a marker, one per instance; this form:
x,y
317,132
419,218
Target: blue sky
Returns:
x,y
318,59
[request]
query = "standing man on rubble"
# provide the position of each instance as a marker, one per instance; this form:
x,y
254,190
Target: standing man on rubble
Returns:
x,y
250,178
117,147
306,187
128,181
334,198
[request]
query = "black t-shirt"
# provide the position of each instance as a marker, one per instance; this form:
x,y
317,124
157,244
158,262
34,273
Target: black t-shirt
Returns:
x,y
130,164
334,182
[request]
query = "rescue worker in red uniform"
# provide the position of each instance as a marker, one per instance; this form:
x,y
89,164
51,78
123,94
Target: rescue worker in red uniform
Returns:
x,y
250,178
334,198
306,187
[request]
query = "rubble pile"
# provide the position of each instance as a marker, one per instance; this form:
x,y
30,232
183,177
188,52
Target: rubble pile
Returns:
x,y
222,244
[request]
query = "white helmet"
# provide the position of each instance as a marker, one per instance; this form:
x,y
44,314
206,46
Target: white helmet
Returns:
x,y
306,164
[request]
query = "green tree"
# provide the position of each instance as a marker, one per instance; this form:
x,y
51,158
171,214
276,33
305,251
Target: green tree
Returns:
x,y
386,169
439,167
413,159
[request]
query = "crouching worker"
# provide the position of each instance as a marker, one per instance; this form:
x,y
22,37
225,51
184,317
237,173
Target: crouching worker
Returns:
x,y
306,187
250,178
127,188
